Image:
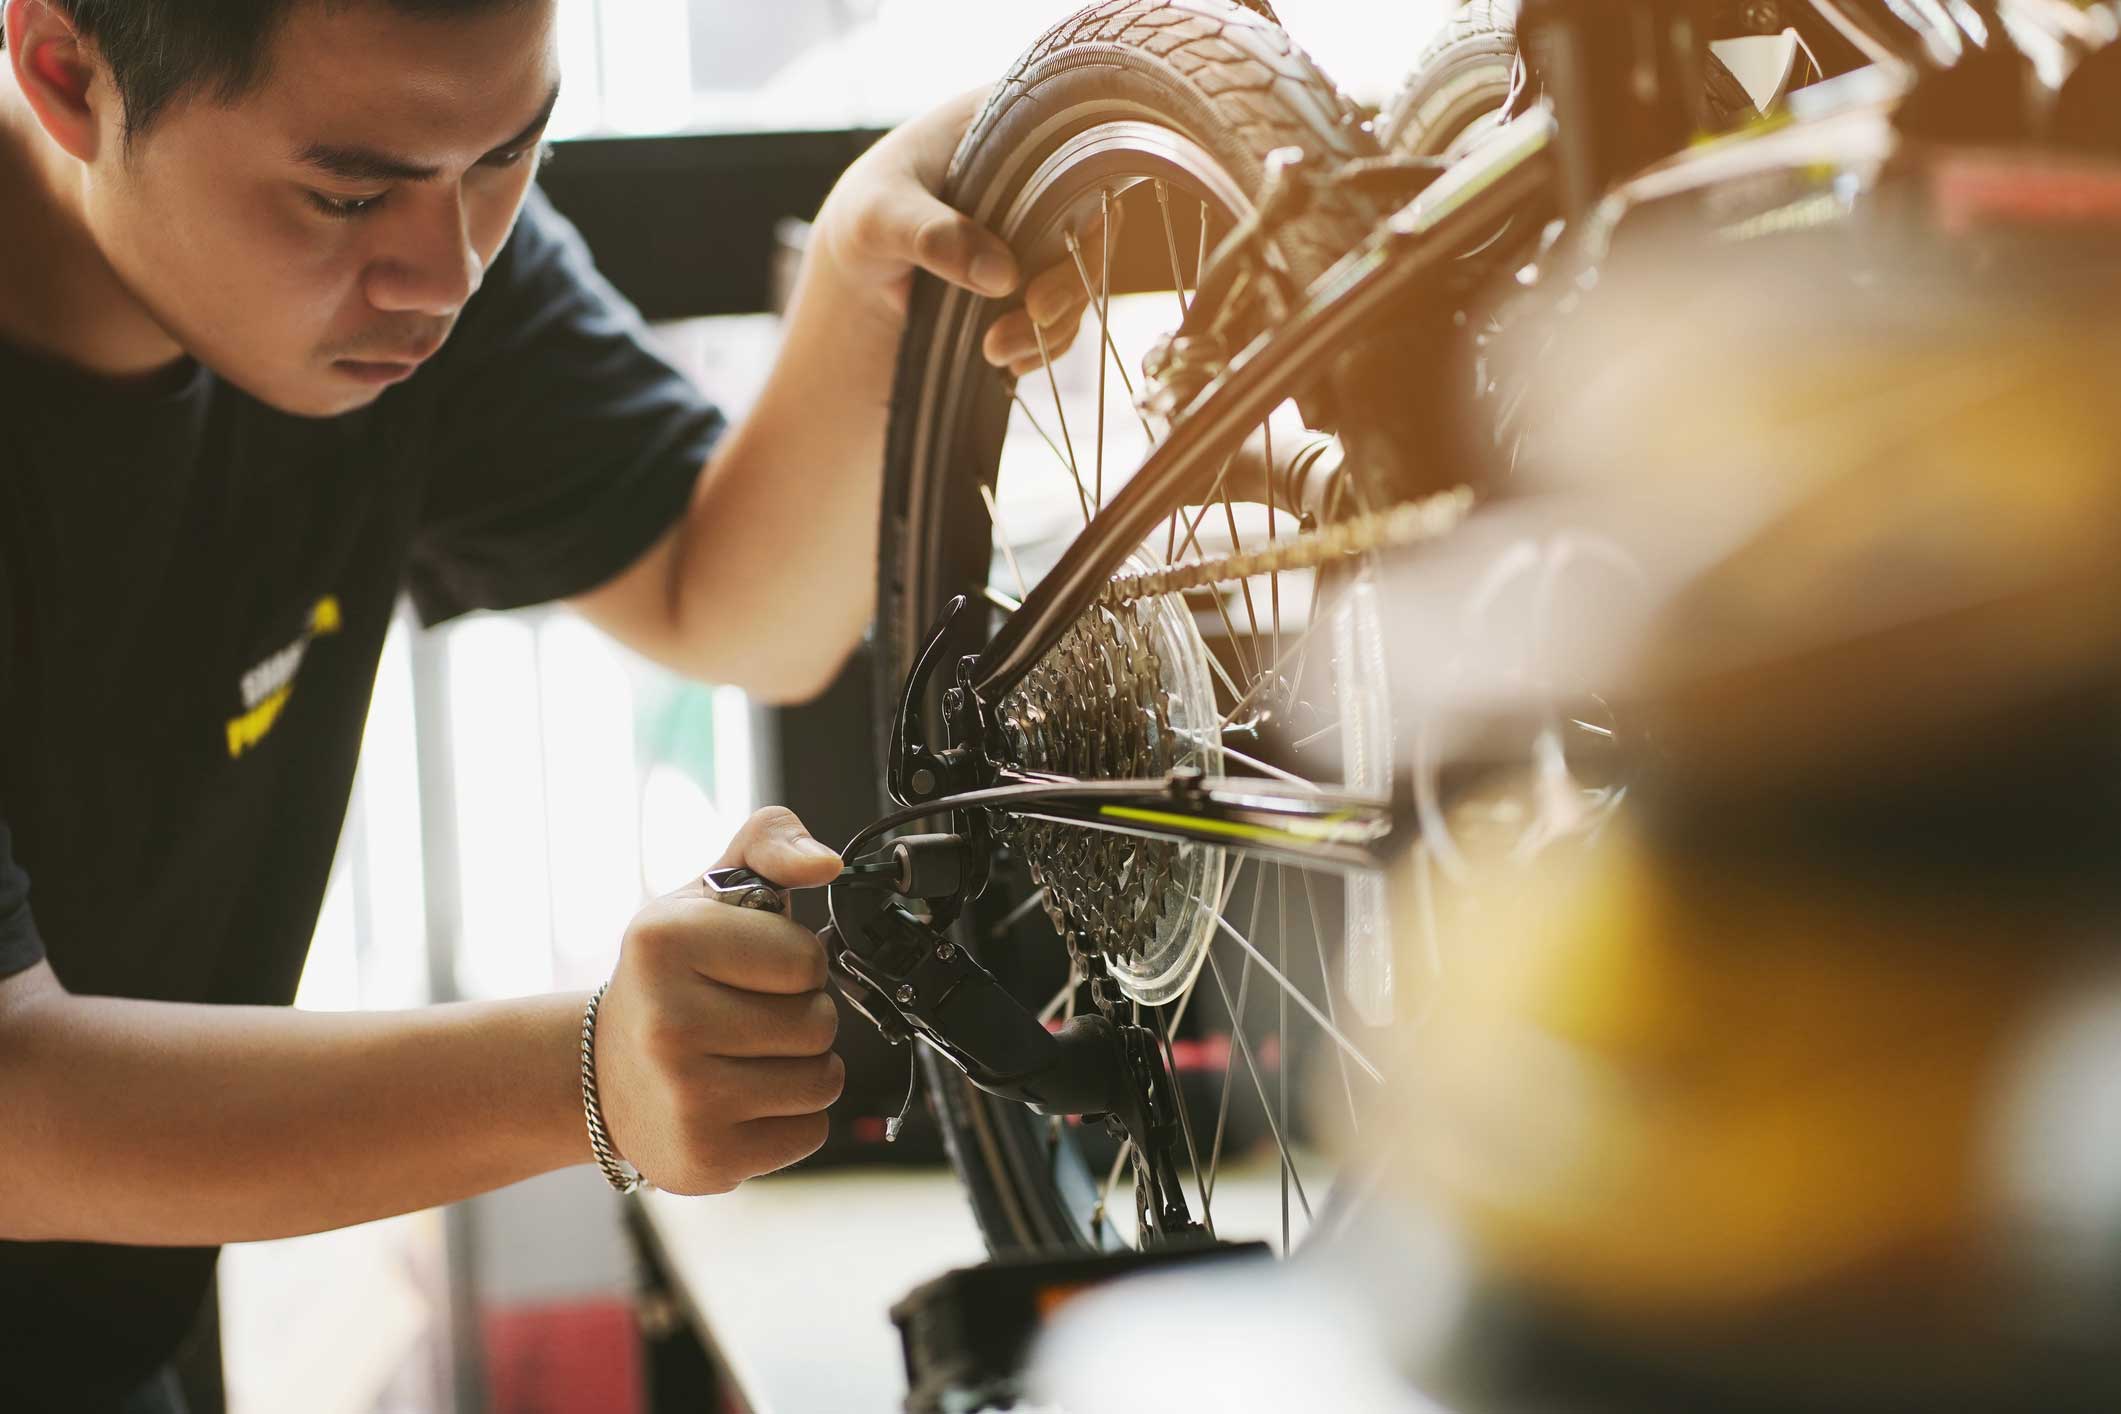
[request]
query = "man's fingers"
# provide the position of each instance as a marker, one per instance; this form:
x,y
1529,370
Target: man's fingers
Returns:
x,y
1057,300
911,225
745,948
1011,338
769,1144
1057,293
774,843
1024,367
773,1087
748,1025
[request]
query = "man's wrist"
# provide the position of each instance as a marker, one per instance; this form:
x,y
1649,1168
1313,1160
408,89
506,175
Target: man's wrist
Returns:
x,y
545,1125
622,1176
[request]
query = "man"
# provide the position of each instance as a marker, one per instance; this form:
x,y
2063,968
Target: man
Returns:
x,y
283,331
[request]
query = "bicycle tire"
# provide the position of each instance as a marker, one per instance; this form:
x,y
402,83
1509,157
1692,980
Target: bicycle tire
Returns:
x,y
1463,75
1466,74
1232,82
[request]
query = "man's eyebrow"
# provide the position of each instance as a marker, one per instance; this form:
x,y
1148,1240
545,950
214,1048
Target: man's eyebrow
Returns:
x,y
531,130
365,164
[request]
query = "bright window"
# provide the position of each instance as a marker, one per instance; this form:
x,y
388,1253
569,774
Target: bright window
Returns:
x,y
660,66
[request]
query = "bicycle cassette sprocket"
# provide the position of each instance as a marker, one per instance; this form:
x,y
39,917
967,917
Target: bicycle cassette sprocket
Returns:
x,y
1126,693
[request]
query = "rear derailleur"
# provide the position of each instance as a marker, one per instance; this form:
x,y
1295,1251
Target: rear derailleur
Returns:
x,y
893,961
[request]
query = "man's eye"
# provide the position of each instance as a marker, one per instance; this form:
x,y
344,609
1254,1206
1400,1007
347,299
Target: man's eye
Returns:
x,y
343,208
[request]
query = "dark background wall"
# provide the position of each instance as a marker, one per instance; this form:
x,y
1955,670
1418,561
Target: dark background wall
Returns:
x,y
684,225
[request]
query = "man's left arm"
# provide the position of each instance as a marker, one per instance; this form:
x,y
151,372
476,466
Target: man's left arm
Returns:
x,y
768,580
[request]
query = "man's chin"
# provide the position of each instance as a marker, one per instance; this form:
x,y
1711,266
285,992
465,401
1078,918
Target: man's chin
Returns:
x,y
321,397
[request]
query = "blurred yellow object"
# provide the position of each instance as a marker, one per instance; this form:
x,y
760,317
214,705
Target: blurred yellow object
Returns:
x,y
1663,1091
1736,1061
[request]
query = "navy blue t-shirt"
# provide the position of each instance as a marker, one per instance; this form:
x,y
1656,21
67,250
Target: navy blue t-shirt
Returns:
x,y
194,591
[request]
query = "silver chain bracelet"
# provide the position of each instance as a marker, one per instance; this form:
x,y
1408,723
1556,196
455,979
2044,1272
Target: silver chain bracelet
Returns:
x,y
617,1172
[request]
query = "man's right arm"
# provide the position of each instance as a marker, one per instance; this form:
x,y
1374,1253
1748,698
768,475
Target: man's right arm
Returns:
x,y
155,1123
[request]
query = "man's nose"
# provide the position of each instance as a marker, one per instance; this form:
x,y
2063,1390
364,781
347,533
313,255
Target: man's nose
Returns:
x,y
427,263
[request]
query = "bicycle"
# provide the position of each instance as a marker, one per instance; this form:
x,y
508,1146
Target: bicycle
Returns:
x,y
1120,701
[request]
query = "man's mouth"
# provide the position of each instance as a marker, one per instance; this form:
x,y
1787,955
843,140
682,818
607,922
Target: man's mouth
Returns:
x,y
389,366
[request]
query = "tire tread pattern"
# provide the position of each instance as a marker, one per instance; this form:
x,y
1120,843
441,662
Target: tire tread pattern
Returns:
x,y
1480,34
1254,77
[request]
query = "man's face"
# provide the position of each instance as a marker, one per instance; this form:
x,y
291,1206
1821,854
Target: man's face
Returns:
x,y
317,239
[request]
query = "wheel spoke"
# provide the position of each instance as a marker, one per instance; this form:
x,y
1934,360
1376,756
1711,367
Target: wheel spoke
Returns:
x,y
1217,664
1172,549
1281,1032
1185,1122
1313,738
1266,431
1200,260
1178,285
1237,647
1040,429
1301,646
1325,972
1253,761
1178,281
1105,334
1097,302
1222,611
1185,998
1061,413
1205,1182
994,518
1237,546
1244,1048
1354,1051
1104,323
1244,988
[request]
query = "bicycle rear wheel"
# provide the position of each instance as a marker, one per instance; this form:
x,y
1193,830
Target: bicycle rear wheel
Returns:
x,y
1156,119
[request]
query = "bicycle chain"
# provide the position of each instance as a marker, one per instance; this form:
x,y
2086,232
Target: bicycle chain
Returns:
x,y
1401,525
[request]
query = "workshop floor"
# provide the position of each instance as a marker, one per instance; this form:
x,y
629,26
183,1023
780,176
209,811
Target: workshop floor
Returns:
x,y
794,1276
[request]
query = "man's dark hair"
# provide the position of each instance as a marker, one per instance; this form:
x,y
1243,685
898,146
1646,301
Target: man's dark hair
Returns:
x,y
159,50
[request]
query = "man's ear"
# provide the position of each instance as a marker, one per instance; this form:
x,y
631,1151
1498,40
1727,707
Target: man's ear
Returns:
x,y
57,70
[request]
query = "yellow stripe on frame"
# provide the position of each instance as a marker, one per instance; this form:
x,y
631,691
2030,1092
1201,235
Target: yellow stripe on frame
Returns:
x,y
1333,829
